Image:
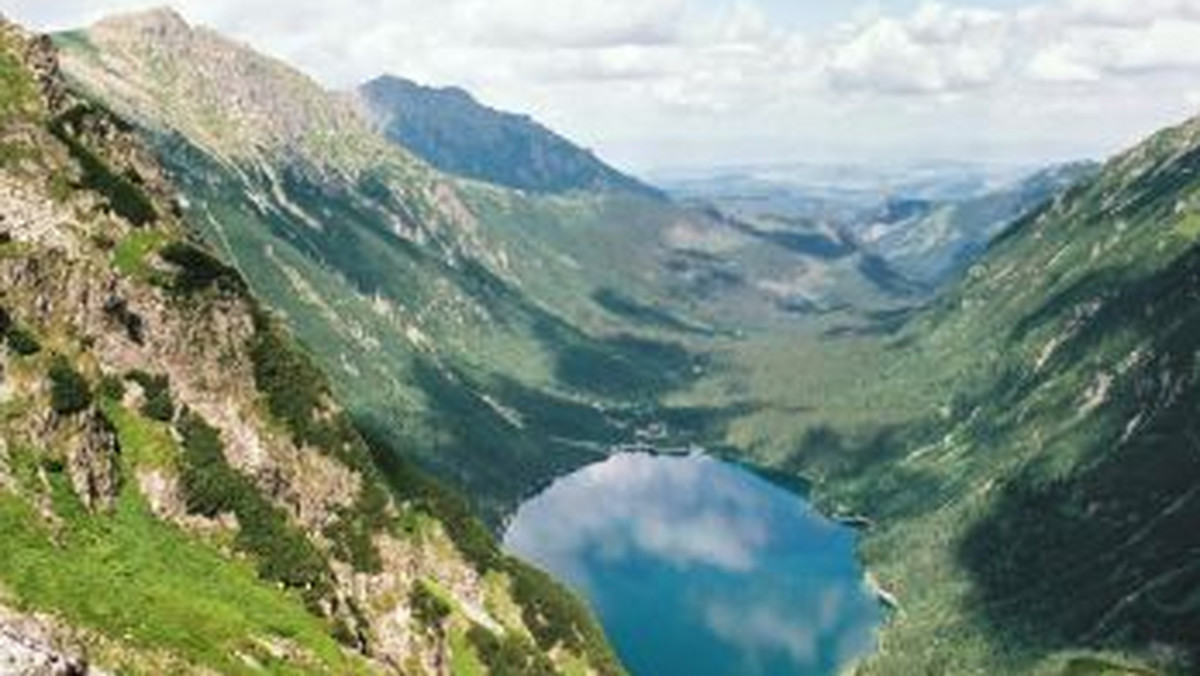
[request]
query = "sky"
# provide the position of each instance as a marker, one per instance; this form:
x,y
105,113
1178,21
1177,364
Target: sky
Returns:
x,y
657,84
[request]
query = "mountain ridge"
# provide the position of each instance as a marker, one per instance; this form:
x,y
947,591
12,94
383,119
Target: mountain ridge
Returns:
x,y
454,132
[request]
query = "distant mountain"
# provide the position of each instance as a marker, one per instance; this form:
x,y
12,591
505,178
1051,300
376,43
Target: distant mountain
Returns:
x,y
835,191
452,131
931,241
925,221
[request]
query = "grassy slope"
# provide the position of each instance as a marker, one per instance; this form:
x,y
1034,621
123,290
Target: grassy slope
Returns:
x,y
137,580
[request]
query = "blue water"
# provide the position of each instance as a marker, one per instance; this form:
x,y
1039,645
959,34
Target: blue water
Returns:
x,y
697,567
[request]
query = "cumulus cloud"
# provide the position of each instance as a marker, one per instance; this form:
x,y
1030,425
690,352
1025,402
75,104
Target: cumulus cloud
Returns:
x,y
936,50
681,81
578,24
942,49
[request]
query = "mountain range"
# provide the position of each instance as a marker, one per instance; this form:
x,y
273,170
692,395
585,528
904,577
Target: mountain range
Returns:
x,y
259,336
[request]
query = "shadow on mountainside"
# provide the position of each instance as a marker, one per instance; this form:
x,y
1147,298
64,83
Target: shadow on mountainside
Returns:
x,y
1105,554
851,466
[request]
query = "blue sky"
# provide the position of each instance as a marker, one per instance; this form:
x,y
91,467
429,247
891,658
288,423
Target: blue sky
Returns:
x,y
685,83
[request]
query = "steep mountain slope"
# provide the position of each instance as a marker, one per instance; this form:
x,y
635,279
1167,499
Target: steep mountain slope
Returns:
x,y
452,131
179,491
1027,447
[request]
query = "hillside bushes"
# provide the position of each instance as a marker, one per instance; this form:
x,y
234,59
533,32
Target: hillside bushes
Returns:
x,y
23,342
553,614
510,655
430,609
197,270
19,340
124,197
211,487
69,391
297,394
157,391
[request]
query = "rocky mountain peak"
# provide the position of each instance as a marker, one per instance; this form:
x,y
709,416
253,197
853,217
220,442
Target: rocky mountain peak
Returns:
x,y
448,128
167,74
162,23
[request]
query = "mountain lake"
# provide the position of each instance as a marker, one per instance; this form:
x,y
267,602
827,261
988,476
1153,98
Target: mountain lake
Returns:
x,y
697,567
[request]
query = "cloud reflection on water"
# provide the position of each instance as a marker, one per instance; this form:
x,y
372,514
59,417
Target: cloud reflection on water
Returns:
x,y
679,513
743,577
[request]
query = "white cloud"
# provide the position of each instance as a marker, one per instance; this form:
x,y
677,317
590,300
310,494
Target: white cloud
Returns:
x,y
578,24
681,81
941,49
937,50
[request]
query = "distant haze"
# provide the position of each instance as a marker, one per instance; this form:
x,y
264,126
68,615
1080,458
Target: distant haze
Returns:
x,y
682,83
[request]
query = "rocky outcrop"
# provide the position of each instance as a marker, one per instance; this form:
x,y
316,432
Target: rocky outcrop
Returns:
x,y
91,458
28,647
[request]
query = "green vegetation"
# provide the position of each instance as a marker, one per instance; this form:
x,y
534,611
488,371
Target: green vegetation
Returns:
x,y
18,91
511,655
69,390
111,388
124,197
556,616
157,392
145,443
211,487
358,296
420,491
294,387
199,270
352,534
428,606
261,607
22,341
1024,445
296,394
132,254
464,660
134,578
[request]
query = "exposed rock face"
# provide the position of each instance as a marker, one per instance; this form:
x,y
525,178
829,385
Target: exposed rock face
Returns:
x,y
268,120
92,459
27,648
